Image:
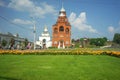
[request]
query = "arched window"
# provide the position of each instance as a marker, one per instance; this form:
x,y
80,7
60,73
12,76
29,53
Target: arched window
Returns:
x,y
61,28
55,30
61,41
67,30
44,40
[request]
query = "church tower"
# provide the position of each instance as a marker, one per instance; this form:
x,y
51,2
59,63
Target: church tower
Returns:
x,y
44,39
61,31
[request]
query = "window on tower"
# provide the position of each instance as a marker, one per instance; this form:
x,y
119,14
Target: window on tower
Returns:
x,y
61,28
44,40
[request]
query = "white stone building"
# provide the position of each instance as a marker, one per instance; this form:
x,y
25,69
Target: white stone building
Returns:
x,y
44,40
7,38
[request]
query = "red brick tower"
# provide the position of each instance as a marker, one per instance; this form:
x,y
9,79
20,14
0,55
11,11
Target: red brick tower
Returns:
x,y
61,31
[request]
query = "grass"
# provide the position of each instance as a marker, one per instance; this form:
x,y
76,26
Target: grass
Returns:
x,y
59,67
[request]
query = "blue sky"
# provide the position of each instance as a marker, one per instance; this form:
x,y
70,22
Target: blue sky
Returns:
x,y
88,18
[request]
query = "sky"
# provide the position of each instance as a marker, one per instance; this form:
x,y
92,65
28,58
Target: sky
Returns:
x,y
88,18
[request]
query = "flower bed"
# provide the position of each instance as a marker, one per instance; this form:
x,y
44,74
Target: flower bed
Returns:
x,y
84,51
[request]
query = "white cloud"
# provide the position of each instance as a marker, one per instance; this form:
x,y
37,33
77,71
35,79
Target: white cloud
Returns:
x,y
119,23
2,3
80,22
21,5
22,22
30,7
48,8
111,29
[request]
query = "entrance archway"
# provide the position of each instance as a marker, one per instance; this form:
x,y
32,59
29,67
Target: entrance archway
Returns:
x,y
61,43
44,43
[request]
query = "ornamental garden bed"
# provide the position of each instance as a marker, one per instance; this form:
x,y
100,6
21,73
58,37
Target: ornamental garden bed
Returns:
x,y
81,51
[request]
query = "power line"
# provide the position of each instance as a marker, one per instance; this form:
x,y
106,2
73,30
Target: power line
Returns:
x,y
14,23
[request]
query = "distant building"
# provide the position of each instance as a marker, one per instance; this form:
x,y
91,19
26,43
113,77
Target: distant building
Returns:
x,y
61,35
8,38
44,40
84,42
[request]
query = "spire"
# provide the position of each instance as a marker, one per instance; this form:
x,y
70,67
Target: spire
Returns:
x,y
62,9
45,32
45,29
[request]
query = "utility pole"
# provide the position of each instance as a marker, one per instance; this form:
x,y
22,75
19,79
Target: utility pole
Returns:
x,y
34,31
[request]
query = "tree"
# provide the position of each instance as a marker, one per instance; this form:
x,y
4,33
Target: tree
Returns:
x,y
4,43
81,39
105,38
116,38
26,42
92,41
12,42
98,41
73,40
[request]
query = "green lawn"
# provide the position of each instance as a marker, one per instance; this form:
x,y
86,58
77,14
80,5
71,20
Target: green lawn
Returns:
x,y
59,67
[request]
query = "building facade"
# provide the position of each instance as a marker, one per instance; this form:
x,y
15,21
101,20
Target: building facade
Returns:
x,y
44,40
61,31
9,40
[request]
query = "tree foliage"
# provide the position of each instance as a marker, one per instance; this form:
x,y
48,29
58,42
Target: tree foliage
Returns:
x,y
12,42
116,38
26,42
4,43
73,40
98,41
